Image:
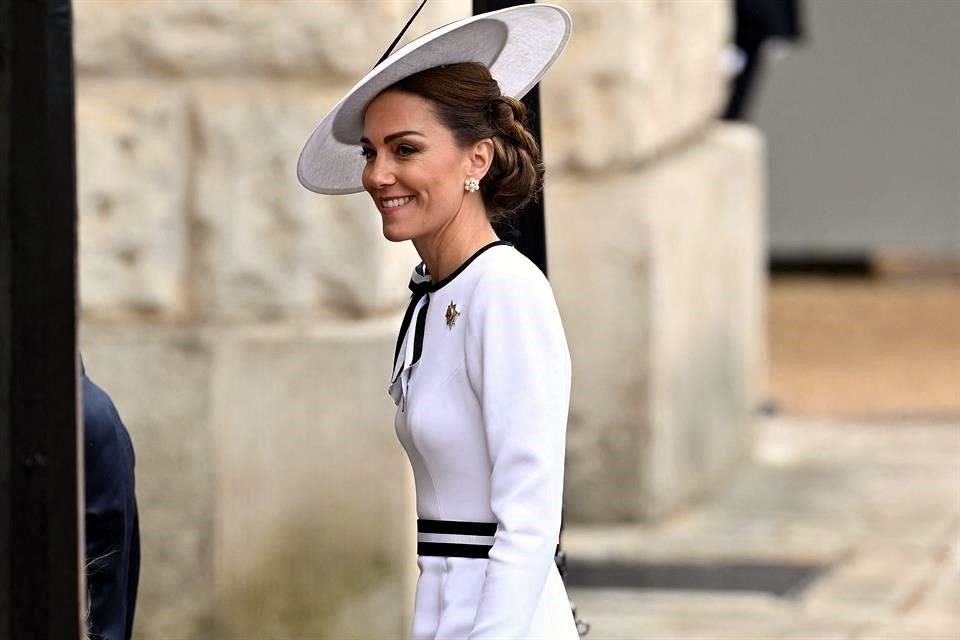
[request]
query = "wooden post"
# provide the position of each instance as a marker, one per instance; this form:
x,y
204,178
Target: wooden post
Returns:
x,y
41,535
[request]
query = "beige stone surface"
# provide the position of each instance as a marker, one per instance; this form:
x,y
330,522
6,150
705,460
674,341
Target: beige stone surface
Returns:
x,y
883,578
766,515
160,379
943,593
134,160
266,247
274,497
883,345
659,277
315,532
664,615
871,585
707,308
637,78
820,492
933,629
321,39
599,268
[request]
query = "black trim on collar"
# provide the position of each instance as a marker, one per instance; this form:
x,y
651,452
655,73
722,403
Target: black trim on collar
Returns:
x,y
420,287
436,287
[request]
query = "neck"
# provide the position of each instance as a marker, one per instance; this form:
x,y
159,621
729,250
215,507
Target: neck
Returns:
x,y
451,246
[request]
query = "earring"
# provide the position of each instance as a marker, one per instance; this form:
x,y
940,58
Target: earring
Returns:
x,y
471,185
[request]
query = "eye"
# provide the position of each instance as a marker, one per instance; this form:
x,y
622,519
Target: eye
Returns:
x,y
404,150
367,153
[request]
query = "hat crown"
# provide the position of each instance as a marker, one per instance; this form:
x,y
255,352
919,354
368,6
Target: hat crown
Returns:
x,y
480,41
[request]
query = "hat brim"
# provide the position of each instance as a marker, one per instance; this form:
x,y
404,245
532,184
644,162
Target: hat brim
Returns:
x,y
517,44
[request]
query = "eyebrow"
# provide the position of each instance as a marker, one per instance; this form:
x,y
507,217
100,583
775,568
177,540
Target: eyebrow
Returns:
x,y
394,136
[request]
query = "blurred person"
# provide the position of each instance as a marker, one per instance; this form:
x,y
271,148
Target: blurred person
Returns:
x,y
112,525
758,24
481,377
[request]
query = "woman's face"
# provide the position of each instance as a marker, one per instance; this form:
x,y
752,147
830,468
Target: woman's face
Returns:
x,y
415,170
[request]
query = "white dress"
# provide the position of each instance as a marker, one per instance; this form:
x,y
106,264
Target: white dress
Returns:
x,y
481,412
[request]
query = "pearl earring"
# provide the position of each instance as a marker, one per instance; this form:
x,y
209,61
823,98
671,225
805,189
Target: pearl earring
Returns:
x,y
471,185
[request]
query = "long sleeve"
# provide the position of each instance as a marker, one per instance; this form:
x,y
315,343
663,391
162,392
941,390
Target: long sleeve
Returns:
x,y
519,366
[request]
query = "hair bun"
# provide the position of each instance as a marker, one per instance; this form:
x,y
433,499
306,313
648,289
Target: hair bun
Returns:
x,y
517,170
505,114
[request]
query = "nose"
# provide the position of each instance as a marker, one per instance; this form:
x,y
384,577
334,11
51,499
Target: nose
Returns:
x,y
378,173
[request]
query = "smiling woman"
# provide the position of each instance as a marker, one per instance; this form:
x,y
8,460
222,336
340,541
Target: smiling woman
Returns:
x,y
426,138
416,174
481,377
467,101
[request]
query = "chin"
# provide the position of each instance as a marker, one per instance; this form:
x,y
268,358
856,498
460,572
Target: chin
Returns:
x,y
395,235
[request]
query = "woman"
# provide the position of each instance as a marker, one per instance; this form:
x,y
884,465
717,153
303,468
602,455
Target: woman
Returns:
x,y
481,373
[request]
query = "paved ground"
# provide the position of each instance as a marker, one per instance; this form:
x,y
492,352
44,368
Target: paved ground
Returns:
x,y
866,346
877,504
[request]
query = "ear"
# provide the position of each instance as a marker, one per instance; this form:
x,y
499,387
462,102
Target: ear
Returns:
x,y
479,157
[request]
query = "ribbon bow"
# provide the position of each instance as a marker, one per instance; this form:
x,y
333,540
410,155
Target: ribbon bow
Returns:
x,y
410,348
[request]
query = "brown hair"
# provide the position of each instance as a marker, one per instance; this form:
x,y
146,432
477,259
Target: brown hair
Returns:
x,y
467,100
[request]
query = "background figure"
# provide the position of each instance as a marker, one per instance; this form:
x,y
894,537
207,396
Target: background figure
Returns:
x,y
756,22
112,523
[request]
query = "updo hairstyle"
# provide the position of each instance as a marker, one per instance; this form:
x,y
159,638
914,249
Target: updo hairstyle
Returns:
x,y
467,100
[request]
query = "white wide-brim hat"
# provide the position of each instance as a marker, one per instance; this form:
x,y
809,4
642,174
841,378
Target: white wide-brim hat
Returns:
x,y
518,45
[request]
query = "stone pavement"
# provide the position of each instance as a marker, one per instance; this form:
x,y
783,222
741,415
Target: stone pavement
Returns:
x,y
875,504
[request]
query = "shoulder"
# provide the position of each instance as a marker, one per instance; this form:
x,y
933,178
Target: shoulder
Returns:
x,y
100,417
511,291
506,272
106,440
513,304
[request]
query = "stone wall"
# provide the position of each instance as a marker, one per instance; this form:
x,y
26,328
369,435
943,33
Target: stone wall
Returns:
x,y
245,326
663,310
656,239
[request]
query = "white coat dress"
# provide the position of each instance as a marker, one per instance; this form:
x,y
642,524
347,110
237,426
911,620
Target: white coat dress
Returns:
x,y
482,412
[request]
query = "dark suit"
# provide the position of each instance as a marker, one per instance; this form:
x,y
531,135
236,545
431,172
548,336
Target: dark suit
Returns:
x,y
112,525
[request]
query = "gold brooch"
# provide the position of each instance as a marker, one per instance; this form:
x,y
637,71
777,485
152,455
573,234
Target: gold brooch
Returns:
x,y
451,315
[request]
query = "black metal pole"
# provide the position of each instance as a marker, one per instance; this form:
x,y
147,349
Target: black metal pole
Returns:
x,y
527,232
41,581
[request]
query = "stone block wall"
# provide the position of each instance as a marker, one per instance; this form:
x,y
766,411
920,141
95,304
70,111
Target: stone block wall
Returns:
x,y
637,78
245,326
663,311
309,476
656,251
